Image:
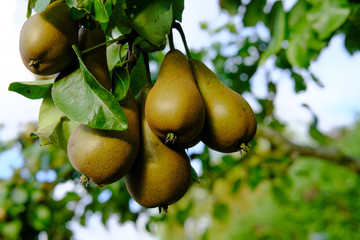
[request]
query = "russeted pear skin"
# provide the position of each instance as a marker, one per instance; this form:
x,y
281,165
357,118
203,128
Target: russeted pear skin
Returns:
x,y
174,104
46,39
230,122
95,60
105,156
161,174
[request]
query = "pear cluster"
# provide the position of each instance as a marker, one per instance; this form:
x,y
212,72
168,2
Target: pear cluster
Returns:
x,y
189,103
186,105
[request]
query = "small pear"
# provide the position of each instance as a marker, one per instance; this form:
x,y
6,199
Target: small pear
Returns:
x,y
46,39
95,60
105,156
161,174
230,122
174,109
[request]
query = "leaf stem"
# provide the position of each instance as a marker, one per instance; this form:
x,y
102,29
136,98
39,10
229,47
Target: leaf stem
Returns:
x,y
147,68
171,40
120,39
182,34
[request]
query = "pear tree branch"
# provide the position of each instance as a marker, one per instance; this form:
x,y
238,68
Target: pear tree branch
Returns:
x,y
329,154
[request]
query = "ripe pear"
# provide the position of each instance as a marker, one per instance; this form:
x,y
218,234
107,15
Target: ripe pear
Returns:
x,y
46,39
95,60
161,174
174,109
230,122
105,156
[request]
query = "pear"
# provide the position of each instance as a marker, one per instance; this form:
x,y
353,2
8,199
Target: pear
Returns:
x,y
230,122
46,39
105,156
95,60
161,174
174,109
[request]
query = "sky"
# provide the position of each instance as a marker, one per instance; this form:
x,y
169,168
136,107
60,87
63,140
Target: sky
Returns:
x,y
337,104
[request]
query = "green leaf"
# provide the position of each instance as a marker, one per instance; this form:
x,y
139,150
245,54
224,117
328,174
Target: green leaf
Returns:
x,y
178,8
194,176
152,20
221,211
255,175
86,4
236,186
53,126
352,36
317,80
286,180
314,132
41,5
100,12
138,76
71,3
33,89
41,217
49,116
302,38
272,87
297,51
279,194
300,84
118,19
228,161
297,13
121,81
254,13
146,46
278,33
327,16
84,100
77,14
231,6
317,135
30,6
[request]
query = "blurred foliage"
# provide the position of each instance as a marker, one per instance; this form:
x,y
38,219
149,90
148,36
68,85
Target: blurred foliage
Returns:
x,y
267,196
260,195
264,194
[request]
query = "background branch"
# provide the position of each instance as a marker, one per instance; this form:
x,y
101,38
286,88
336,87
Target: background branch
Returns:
x,y
329,154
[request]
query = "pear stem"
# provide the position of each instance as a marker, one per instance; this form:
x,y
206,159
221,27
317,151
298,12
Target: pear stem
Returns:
x,y
147,67
171,40
178,27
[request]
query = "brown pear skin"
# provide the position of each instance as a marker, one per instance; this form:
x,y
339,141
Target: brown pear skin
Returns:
x,y
230,122
46,40
95,60
161,174
105,156
174,109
